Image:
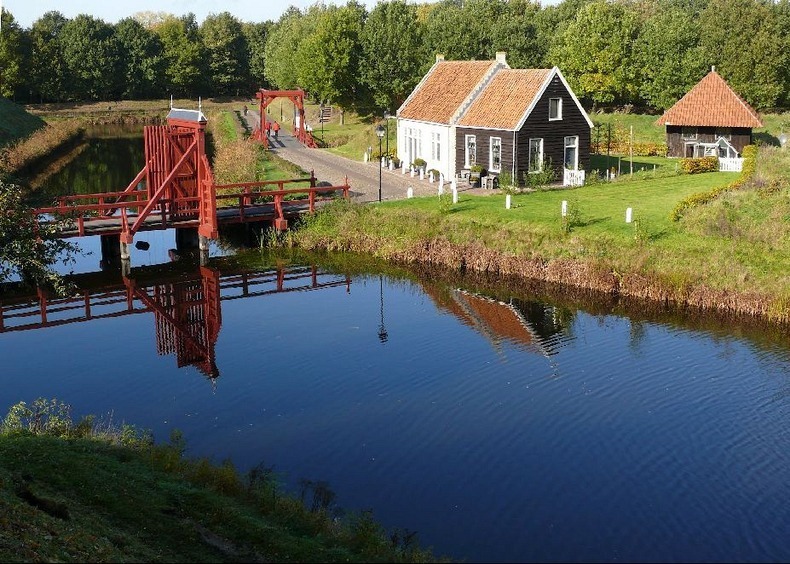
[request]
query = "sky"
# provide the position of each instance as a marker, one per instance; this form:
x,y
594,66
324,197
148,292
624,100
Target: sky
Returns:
x,y
25,12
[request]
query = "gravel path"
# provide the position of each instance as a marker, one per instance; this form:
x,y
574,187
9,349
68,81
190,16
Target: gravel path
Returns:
x,y
362,177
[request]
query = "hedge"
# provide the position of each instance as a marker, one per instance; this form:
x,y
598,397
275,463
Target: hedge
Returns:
x,y
701,198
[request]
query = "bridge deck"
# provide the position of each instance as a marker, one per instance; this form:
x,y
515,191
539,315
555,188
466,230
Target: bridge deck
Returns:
x,y
247,214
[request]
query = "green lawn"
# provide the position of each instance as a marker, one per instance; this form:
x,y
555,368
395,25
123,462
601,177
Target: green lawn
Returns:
x,y
601,207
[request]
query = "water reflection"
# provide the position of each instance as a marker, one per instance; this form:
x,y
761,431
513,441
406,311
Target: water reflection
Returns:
x,y
186,303
527,325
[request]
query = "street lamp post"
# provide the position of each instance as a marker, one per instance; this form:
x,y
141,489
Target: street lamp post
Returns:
x,y
380,134
387,117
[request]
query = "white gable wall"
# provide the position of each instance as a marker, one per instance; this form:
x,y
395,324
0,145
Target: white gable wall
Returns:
x,y
418,139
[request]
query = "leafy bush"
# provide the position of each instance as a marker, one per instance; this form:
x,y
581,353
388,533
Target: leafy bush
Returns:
x,y
419,163
540,179
478,169
698,165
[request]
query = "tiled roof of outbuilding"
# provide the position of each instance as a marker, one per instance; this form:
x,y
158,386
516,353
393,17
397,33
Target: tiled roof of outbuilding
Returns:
x,y
444,89
711,103
505,100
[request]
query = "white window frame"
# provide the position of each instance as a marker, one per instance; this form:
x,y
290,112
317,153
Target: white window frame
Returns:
x,y
558,116
539,160
574,144
436,146
491,166
468,163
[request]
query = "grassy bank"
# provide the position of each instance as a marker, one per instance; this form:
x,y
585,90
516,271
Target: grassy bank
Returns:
x,y
16,123
94,492
731,255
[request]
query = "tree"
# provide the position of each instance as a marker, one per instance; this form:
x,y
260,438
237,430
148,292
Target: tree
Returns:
x,y
328,59
27,250
282,66
226,53
90,53
463,29
743,39
596,53
140,60
668,54
394,56
515,32
46,67
255,34
182,55
10,55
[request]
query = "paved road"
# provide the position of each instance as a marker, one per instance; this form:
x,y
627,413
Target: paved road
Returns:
x,y
362,177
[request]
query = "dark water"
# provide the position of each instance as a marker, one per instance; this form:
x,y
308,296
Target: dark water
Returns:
x,y
499,425
104,162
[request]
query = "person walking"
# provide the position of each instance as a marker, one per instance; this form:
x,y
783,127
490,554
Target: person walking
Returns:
x,y
268,126
276,128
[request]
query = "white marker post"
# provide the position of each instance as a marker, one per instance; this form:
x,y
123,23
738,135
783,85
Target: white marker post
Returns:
x,y
564,208
507,201
455,196
410,192
628,215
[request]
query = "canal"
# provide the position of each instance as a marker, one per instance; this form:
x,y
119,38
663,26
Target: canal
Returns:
x,y
502,422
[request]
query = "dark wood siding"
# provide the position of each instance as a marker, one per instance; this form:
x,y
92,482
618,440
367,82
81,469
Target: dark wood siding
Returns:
x,y
554,132
483,142
676,142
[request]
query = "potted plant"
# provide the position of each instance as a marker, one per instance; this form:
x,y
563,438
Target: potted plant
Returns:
x,y
419,164
475,175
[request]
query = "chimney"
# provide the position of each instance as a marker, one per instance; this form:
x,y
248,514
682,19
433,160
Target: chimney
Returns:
x,y
713,68
439,57
501,57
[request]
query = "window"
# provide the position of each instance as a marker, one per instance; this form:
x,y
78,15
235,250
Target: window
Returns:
x,y
555,108
688,133
495,156
726,133
572,152
436,146
470,157
535,155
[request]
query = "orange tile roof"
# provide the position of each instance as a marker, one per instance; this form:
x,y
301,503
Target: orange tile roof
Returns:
x,y
711,103
444,90
505,100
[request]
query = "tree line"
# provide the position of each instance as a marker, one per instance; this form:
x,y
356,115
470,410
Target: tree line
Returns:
x,y
642,53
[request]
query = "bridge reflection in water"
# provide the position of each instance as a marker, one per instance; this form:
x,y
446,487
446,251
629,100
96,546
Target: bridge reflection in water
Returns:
x,y
186,305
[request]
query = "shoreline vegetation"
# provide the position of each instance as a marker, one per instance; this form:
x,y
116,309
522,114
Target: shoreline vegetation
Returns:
x,y
97,491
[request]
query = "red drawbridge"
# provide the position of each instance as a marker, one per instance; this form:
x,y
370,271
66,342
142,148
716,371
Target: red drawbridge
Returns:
x,y
176,189
300,131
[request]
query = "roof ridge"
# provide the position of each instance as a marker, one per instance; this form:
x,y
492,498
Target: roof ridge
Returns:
x,y
479,87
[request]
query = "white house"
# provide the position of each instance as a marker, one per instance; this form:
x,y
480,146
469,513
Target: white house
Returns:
x,y
426,120
464,113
